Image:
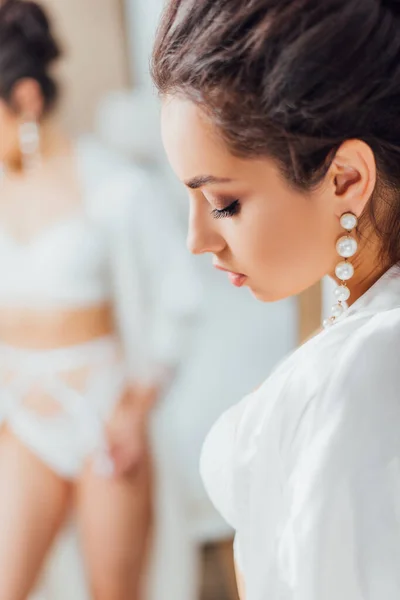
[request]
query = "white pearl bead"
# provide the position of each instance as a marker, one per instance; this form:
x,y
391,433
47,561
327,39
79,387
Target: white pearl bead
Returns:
x,y
346,246
342,293
337,310
348,221
344,271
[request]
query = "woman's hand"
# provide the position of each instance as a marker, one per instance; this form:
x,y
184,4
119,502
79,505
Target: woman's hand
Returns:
x,y
127,430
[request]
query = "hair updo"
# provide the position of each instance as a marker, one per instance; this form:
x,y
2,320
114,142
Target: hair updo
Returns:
x,y
292,80
27,49
393,5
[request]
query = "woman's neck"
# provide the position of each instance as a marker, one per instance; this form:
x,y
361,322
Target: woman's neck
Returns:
x,y
53,141
367,272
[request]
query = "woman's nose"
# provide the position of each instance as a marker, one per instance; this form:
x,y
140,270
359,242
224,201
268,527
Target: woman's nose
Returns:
x,y
203,237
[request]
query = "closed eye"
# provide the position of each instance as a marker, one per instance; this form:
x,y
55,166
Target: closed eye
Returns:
x,y
229,211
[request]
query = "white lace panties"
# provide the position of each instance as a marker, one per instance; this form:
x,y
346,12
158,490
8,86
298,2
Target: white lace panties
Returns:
x,y
56,402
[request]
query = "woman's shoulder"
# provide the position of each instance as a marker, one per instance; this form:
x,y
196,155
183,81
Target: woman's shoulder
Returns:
x,y
367,361
347,343
352,376
364,338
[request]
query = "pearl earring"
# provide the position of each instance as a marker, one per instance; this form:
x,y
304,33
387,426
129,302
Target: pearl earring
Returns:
x,y
346,247
29,142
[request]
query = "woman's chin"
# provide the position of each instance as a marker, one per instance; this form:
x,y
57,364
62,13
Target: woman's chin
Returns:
x,y
259,295
264,295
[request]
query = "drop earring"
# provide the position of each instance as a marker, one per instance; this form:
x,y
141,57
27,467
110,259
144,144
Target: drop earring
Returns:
x,y
29,142
346,247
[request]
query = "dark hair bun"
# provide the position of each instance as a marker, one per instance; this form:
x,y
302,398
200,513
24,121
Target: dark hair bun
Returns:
x,y
30,21
392,5
27,48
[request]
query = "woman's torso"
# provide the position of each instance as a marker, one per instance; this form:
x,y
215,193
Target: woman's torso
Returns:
x,y
55,287
56,328
301,467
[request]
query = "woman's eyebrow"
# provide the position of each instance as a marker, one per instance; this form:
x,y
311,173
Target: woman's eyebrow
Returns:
x,y
201,180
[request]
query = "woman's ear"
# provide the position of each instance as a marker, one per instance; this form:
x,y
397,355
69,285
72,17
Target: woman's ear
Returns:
x,y
27,99
353,172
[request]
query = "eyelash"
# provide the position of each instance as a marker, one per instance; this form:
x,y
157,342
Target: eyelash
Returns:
x,y
230,211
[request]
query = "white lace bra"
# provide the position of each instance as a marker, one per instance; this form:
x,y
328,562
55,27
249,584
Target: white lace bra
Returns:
x,y
66,265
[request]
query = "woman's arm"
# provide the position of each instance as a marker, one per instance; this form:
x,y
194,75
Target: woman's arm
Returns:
x,y
347,475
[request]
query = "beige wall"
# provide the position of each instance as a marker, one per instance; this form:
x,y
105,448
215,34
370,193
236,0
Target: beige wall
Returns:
x,y
92,34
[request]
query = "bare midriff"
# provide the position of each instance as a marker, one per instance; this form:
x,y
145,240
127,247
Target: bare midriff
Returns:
x,y
54,328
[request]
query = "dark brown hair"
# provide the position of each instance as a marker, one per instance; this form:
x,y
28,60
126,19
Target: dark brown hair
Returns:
x,y
27,49
292,80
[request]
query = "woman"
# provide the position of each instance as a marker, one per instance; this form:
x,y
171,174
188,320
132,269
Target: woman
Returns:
x,y
94,299
282,118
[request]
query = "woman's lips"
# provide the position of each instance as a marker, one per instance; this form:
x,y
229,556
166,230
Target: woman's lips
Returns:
x,y
237,279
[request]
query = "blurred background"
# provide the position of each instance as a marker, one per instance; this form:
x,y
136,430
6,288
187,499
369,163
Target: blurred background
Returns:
x,y
107,91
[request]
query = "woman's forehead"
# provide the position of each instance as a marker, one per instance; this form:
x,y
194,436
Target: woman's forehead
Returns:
x,y
192,144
